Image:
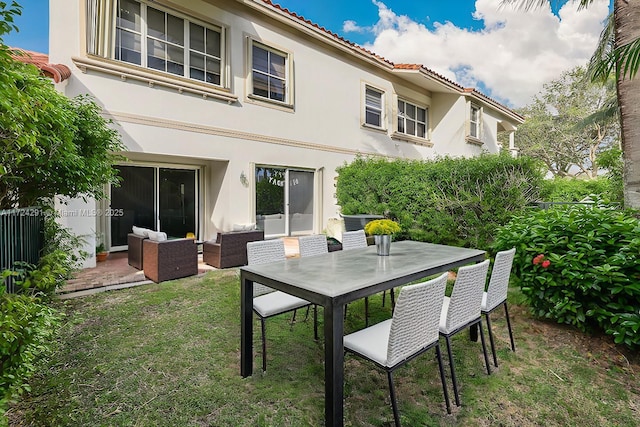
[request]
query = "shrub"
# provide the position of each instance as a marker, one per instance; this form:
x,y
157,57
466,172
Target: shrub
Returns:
x,y
27,328
580,266
450,201
575,190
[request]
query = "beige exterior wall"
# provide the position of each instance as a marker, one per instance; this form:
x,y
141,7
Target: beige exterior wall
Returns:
x,y
323,130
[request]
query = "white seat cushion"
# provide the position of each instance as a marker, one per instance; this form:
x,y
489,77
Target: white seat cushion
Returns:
x,y
484,301
277,302
371,342
443,315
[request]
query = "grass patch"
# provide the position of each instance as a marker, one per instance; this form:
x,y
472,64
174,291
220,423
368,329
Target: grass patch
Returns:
x,y
169,355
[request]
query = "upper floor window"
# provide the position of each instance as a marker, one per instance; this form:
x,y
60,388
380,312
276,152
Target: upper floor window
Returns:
x,y
373,107
270,73
160,40
474,121
412,120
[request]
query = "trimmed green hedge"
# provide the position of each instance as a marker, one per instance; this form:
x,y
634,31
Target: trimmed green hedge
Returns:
x,y
449,201
580,266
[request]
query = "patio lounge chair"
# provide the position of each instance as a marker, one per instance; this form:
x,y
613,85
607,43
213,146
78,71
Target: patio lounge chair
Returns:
x,y
169,259
230,248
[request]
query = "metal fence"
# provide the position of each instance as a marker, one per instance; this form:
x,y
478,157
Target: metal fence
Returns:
x,y
21,238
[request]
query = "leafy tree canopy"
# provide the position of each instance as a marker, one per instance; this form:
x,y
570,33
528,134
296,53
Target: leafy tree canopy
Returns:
x,y
565,127
51,145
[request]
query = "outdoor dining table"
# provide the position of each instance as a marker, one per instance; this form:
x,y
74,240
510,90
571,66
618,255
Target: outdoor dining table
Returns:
x,y
334,279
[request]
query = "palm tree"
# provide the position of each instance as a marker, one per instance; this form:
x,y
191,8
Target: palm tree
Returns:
x,y
624,58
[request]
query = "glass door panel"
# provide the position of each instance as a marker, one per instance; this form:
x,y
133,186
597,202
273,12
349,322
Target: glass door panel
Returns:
x,y
177,201
136,197
300,202
270,200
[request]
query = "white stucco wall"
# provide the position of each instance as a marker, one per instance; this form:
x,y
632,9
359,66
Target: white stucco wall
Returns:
x,y
322,131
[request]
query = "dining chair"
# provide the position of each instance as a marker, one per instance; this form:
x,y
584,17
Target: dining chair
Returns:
x,y
267,302
354,240
496,295
462,310
411,331
314,244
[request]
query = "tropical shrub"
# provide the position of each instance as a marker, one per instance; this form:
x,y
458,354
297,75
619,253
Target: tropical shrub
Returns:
x,y
449,201
579,266
562,189
27,328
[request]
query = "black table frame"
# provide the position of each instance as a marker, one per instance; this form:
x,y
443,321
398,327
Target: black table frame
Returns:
x,y
413,260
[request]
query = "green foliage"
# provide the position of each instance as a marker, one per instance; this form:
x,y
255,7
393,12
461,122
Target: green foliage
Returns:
x,y
566,127
51,145
450,201
270,191
592,279
567,189
27,329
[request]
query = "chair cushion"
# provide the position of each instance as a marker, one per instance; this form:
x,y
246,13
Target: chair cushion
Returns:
x,y
484,301
157,236
371,342
139,231
277,302
443,315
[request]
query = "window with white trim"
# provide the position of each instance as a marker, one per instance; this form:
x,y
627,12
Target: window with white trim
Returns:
x,y
412,119
474,121
269,73
373,107
158,39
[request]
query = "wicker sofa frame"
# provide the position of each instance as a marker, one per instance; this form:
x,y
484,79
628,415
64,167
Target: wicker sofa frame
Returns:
x,y
169,259
230,248
134,251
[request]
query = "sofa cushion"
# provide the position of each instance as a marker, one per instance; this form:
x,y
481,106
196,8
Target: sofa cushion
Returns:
x,y
139,231
157,236
243,227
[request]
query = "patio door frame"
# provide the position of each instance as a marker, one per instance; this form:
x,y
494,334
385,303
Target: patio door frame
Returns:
x,y
317,173
198,182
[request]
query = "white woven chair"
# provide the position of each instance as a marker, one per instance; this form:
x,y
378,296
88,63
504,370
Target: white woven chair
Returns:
x,y
412,331
354,240
268,302
315,244
462,310
496,294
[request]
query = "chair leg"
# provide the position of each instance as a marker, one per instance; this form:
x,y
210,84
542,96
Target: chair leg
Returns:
x,y
393,299
293,318
394,404
264,344
315,322
366,312
444,384
453,371
484,347
493,345
384,297
506,312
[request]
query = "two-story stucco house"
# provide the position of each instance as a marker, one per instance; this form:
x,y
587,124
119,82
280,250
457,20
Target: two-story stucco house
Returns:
x,y
239,112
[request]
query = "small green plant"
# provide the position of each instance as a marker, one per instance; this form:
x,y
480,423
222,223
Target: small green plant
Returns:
x,y
382,226
100,248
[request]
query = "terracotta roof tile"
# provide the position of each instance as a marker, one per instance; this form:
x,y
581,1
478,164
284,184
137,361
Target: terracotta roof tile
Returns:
x,y
396,66
58,72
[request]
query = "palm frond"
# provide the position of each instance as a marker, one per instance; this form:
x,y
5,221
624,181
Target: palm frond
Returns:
x,y
599,67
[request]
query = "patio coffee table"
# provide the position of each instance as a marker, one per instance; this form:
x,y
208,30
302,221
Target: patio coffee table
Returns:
x,y
332,280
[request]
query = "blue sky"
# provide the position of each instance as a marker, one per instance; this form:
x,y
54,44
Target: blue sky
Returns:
x,y
507,54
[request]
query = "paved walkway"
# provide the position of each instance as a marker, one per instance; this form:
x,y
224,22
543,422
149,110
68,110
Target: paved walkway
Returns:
x,y
116,272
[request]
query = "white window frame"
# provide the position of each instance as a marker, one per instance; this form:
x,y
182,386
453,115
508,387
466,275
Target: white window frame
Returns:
x,y
145,37
475,124
367,107
288,74
404,117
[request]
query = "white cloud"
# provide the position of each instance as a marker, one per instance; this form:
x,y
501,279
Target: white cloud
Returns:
x,y
512,56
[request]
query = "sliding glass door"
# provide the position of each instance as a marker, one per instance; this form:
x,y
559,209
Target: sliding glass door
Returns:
x,y
284,201
158,198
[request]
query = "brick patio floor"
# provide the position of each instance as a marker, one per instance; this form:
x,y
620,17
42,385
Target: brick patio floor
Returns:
x,y
116,271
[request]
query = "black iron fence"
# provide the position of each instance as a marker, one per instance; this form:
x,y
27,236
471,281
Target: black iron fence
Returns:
x,y
21,239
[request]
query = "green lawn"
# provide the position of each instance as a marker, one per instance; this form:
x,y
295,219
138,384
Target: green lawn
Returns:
x,y
168,355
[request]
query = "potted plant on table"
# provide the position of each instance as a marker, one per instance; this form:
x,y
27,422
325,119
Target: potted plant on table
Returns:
x,y
382,230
